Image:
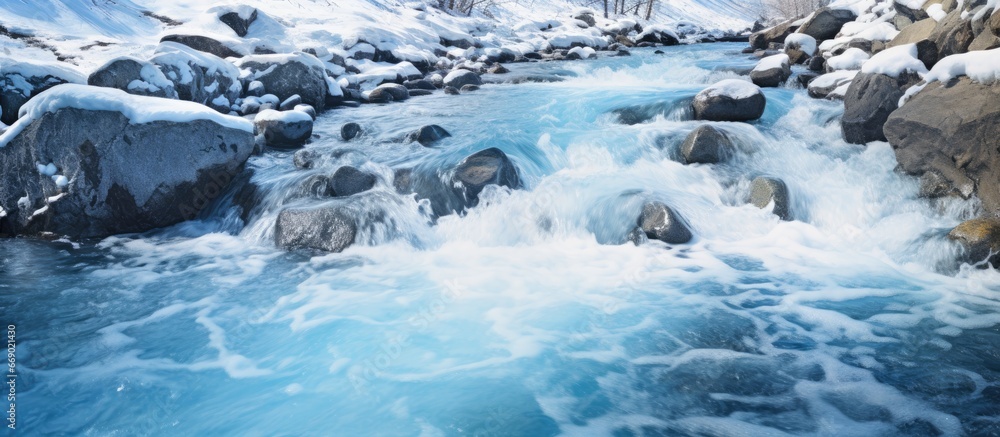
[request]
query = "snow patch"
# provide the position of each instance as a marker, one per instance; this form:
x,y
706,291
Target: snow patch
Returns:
x,y
894,61
733,88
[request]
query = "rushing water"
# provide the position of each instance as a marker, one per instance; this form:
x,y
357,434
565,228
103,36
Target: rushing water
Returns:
x,y
528,316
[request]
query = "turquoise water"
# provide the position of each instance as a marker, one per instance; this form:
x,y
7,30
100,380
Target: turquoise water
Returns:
x,y
528,316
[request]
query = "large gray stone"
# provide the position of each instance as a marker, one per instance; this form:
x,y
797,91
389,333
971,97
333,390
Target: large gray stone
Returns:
x,y
870,99
659,222
329,228
980,238
486,167
118,176
428,135
239,20
289,74
133,76
205,44
388,92
348,181
719,103
952,130
707,144
826,23
766,191
459,78
771,71
199,77
21,80
762,40
284,129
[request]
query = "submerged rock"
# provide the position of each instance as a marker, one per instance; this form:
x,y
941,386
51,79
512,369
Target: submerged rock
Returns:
x,y
328,228
347,181
980,238
485,167
659,222
284,129
349,131
428,135
706,145
765,191
115,162
133,76
729,100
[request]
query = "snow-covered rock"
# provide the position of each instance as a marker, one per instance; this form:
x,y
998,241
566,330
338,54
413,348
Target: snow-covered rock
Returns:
x,y
285,75
20,80
852,59
284,129
831,85
761,40
729,100
133,76
799,47
825,23
123,163
217,45
389,92
198,76
459,78
771,71
895,61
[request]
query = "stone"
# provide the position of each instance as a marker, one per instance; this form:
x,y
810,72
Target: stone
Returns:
x,y
762,39
707,144
729,100
237,22
980,239
284,129
771,71
428,135
327,228
289,103
133,76
459,78
826,23
486,167
914,33
869,101
450,90
660,222
469,88
350,130
765,191
952,35
388,92
347,181
952,129
199,77
286,75
205,44
20,81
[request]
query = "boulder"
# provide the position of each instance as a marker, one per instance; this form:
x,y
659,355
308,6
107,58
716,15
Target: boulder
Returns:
x,y
980,239
729,100
952,35
914,33
952,130
586,17
485,167
912,14
817,64
204,44
284,129
825,23
199,77
328,228
989,37
389,92
306,158
347,181
420,84
290,103
308,109
659,222
469,88
428,135
240,19
349,131
450,90
459,78
317,185
870,99
799,47
23,80
256,88
288,74
762,40
114,162
771,71
707,144
825,86
133,76
658,35
767,191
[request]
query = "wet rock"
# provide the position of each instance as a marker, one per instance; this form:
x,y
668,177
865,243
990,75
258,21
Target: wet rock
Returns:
x,y
308,109
469,88
486,167
419,84
707,144
826,23
289,103
428,135
109,175
420,93
306,159
199,77
450,90
284,129
286,75
960,146
133,76
765,191
347,181
817,64
317,185
729,100
980,238
22,80
349,131
389,92
771,71
869,101
659,222
328,228
497,69
637,236
460,78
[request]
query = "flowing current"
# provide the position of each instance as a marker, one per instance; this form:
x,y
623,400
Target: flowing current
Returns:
x,y
531,314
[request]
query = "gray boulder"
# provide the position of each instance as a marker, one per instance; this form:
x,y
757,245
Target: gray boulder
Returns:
x,y
952,130
980,239
912,14
205,44
659,222
347,181
350,130
284,129
766,191
328,228
133,76
389,92
486,167
707,144
22,80
459,78
199,77
762,40
289,74
239,20
729,100
825,23
870,99
108,173
428,135
771,71
952,35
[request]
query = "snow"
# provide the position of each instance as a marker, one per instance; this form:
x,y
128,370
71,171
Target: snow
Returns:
x,y
894,61
584,52
183,58
936,11
851,59
805,43
775,62
733,88
18,70
282,116
912,4
138,109
47,169
830,79
982,66
61,182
